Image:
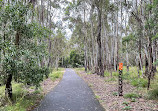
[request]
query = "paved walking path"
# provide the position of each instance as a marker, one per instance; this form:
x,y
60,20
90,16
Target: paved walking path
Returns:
x,y
71,94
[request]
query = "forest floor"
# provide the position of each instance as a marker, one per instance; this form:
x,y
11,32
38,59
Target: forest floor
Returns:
x,y
105,89
27,98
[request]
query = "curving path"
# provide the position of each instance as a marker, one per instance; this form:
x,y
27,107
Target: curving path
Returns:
x,y
71,94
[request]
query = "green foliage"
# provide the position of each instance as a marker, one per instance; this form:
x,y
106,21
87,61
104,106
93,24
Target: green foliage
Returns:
x,y
133,100
149,7
115,73
66,62
56,74
89,72
115,93
155,36
97,97
153,94
27,72
80,69
111,79
127,108
128,38
151,23
131,95
126,103
21,99
18,91
23,103
90,85
106,73
74,60
112,7
139,82
126,76
21,45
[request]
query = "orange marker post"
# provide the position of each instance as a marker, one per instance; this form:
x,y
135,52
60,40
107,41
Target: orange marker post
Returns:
x,y
120,81
120,66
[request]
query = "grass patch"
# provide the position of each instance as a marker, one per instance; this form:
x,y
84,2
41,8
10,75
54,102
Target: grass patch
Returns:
x,y
153,94
21,99
2,91
56,74
139,82
127,108
115,93
80,69
90,85
24,103
106,73
97,97
111,79
83,69
89,72
125,103
133,100
131,95
115,73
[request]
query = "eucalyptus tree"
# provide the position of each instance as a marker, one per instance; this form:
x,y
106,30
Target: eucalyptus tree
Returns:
x,y
20,49
58,44
151,28
77,12
98,4
142,24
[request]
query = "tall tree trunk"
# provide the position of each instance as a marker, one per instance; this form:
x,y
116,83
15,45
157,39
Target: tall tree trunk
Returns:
x,y
85,43
126,44
42,13
127,58
92,34
140,53
57,61
154,56
49,39
17,39
146,65
150,62
100,65
8,88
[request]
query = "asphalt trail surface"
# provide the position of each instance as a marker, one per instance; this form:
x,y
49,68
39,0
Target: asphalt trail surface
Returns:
x,y
71,94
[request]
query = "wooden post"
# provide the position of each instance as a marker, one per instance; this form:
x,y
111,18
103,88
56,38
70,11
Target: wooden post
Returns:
x,y
120,80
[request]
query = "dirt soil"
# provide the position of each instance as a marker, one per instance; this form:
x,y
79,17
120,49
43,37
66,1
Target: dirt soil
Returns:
x,y
106,94
47,85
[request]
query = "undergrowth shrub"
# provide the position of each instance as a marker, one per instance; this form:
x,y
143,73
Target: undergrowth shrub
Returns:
x,y
127,108
131,95
153,94
115,73
139,82
56,74
111,79
115,93
106,73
